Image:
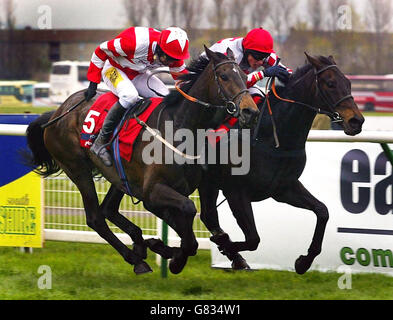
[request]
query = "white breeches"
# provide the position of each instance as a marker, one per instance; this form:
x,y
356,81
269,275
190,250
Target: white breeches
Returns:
x,y
128,90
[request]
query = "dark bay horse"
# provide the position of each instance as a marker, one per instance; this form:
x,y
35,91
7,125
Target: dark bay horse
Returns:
x,y
274,172
163,188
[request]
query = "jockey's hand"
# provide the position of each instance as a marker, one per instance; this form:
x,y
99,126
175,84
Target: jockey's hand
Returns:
x,y
277,71
91,91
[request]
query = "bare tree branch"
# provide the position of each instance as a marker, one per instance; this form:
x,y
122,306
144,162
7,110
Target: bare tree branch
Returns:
x,y
9,14
153,17
173,9
282,15
135,11
218,16
333,13
379,15
260,12
315,12
237,9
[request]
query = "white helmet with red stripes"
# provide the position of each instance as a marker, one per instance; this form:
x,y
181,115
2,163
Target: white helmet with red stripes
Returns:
x,y
174,42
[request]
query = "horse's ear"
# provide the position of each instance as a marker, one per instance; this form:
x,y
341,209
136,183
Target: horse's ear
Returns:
x,y
210,54
314,61
332,59
230,54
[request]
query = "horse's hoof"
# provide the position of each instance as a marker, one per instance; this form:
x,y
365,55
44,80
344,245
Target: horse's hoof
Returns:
x,y
302,264
142,268
239,263
178,262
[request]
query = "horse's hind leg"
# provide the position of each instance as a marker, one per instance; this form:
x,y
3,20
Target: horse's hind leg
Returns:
x,y
297,195
208,195
82,178
110,209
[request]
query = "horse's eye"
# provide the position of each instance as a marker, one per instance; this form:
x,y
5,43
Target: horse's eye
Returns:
x,y
224,77
331,84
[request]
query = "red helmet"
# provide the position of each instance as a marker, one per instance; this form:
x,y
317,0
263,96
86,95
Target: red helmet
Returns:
x,y
174,42
260,40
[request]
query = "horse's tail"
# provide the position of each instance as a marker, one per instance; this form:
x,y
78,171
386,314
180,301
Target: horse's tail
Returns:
x,y
39,158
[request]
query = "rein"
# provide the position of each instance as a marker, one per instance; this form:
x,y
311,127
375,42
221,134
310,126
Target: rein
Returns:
x,y
334,115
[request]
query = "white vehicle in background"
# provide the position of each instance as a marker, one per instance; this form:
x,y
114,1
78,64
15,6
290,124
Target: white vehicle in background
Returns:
x,y
41,95
68,77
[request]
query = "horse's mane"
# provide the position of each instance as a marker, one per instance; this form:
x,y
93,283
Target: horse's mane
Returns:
x,y
195,69
301,71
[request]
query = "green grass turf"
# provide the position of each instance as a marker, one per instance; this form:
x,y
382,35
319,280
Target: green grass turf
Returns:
x,y
96,271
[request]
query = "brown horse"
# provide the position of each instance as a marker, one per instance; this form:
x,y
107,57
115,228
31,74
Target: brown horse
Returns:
x,y
163,188
318,86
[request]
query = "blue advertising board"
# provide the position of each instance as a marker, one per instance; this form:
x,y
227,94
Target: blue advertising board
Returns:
x,y
21,195
11,166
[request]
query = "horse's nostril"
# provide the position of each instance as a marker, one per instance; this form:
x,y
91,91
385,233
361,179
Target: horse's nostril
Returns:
x,y
249,112
355,123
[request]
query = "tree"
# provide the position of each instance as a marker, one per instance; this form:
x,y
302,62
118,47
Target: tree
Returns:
x,y
282,16
173,10
237,9
259,13
135,10
379,15
191,13
333,13
378,19
153,17
315,12
218,15
9,9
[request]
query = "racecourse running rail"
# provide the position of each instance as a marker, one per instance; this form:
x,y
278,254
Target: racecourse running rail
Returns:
x,y
64,213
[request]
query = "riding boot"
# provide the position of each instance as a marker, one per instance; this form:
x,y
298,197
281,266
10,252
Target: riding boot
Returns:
x,y
111,121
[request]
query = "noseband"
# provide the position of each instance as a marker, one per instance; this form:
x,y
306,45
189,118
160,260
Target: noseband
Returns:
x,y
334,115
232,107
332,106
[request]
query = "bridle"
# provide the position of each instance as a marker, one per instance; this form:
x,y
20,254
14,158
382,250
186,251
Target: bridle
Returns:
x,y
334,115
332,106
231,107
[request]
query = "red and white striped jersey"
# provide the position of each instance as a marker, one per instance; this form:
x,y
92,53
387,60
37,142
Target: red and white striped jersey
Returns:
x,y
236,45
132,51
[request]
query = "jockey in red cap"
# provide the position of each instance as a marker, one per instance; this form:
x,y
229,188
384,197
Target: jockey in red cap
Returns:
x,y
253,51
125,63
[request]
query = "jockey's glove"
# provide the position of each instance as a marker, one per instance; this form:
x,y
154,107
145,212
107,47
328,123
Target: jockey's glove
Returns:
x,y
277,71
91,91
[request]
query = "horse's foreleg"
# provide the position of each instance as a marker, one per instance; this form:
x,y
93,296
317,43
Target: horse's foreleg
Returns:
x,y
208,195
178,212
96,220
242,211
110,209
297,195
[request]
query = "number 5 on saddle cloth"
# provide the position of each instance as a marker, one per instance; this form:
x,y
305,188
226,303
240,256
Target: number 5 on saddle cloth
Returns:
x,y
126,132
